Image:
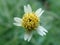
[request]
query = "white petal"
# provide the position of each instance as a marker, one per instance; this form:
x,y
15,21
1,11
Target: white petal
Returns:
x,y
17,24
18,20
41,31
27,36
30,37
39,12
29,8
25,9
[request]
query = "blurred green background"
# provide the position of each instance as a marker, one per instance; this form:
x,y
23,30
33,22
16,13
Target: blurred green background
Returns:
x,y
13,35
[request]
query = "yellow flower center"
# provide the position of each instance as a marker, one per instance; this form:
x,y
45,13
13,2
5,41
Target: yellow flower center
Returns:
x,y
30,21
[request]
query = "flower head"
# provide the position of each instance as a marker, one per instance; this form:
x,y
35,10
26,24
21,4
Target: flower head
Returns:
x,y
30,22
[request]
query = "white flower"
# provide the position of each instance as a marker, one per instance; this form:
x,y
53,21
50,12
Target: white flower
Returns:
x,y
30,22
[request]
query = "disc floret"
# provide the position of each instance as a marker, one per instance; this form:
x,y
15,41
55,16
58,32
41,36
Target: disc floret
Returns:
x,y
30,21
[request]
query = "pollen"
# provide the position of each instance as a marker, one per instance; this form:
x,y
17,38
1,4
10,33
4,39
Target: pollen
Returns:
x,y
30,21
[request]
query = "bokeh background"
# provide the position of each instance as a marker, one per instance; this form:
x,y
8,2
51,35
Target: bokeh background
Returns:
x,y
13,35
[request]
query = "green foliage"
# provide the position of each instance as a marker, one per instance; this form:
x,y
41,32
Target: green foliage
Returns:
x,y
12,35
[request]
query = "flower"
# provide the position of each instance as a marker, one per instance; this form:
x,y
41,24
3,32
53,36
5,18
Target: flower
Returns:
x,y
30,22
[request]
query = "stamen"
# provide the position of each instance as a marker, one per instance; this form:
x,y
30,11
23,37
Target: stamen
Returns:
x,y
30,21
